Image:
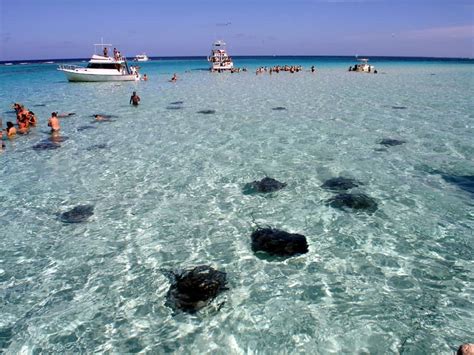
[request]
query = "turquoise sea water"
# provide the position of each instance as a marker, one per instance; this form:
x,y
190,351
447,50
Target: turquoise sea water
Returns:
x,y
167,189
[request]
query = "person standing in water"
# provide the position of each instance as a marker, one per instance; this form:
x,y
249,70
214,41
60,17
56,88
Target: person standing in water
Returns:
x,y
134,99
53,122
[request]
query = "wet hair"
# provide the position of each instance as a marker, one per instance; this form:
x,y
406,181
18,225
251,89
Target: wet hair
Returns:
x,y
134,93
9,124
54,114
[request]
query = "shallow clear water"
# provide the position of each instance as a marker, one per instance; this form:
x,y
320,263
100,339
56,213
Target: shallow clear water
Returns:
x,y
167,189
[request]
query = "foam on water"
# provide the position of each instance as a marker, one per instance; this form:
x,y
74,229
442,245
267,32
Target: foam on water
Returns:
x,y
166,186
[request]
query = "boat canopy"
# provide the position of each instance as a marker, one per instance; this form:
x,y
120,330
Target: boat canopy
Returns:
x,y
101,59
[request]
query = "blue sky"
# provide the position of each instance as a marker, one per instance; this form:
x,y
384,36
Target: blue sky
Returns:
x,y
43,29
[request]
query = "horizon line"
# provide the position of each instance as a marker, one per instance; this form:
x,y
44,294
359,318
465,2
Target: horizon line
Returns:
x,y
253,56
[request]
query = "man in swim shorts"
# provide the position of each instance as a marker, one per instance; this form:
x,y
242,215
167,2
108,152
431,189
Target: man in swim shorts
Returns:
x,y
53,122
134,99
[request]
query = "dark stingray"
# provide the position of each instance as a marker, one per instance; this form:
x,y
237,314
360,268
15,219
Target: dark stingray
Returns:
x,y
177,103
195,288
104,115
340,184
46,145
78,214
389,142
174,107
97,146
84,128
355,201
464,182
207,112
279,243
265,185
279,108
39,105
399,107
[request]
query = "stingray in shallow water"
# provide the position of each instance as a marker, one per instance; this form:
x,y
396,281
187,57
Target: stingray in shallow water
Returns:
x,y
97,146
195,288
207,112
46,145
353,201
265,185
389,142
84,128
399,107
279,108
174,107
464,182
78,214
277,242
177,103
340,184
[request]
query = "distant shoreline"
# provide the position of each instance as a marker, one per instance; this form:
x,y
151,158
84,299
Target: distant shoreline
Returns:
x,y
337,57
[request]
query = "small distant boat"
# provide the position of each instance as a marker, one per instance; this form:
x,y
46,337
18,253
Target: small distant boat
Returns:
x,y
141,58
8,64
101,68
363,66
49,62
219,59
24,63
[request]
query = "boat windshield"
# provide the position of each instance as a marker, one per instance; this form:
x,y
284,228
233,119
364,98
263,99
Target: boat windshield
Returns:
x,y
104,66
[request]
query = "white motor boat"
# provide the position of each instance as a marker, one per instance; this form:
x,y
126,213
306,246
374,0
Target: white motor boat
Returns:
x,y
141,58
219,59
363,66
102,68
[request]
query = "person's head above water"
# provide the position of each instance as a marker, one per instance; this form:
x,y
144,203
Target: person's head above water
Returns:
x,y
134,93
54,114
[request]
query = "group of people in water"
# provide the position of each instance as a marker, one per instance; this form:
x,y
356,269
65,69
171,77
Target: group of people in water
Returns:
x,y
26,120
286,68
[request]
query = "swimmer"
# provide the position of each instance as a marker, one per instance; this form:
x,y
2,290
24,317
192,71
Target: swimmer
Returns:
x,y
174,78
53,122
11,130
145,78
102,118
23,123
134,99
32,118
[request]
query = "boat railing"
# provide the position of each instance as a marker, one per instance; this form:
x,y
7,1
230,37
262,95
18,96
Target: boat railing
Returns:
x,y
67,67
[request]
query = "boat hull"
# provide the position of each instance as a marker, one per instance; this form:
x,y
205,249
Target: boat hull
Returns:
x,y
80,76
222,67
